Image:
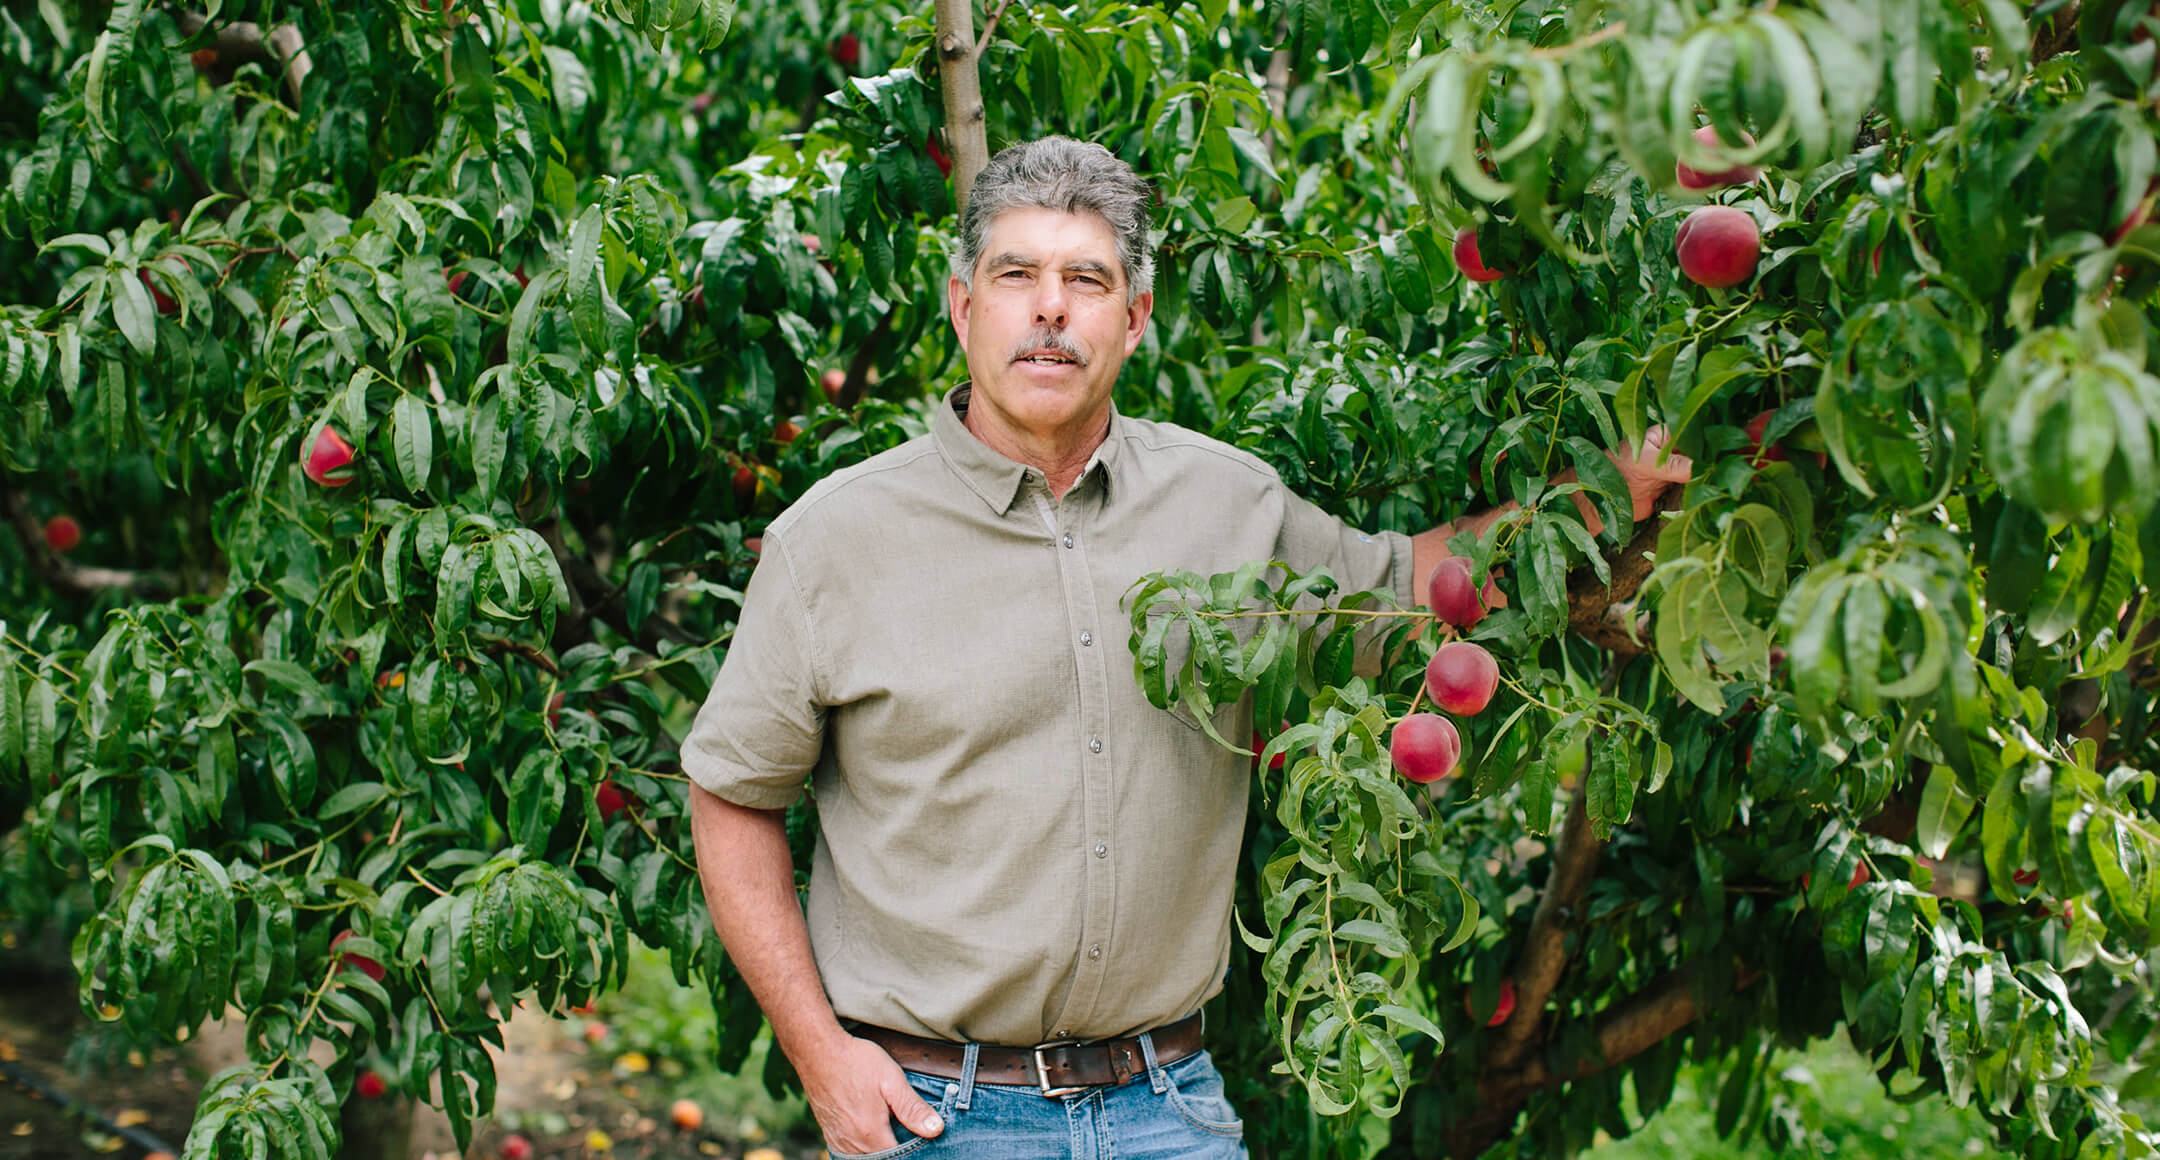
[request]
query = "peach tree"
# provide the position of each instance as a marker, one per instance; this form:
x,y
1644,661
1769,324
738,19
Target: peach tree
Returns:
x,y
418,378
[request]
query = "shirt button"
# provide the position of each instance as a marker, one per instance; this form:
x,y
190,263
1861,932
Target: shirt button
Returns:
x,y
1095,952
1101,851
1094,745
1087,639
1060,1033
1068,539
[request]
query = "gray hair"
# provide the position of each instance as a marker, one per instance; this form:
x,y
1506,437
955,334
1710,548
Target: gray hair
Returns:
x,y
1059,173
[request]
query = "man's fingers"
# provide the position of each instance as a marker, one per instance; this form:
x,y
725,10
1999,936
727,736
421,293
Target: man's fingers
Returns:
x,y
1674,468
909,1109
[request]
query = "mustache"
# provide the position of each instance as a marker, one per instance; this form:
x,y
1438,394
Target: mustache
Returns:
x,y
1052,341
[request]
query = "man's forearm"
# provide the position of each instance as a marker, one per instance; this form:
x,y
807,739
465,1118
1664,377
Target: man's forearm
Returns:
x,y
749,880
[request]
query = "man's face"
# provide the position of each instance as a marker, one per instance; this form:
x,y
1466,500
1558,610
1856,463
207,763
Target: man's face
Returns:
x,y
1045,322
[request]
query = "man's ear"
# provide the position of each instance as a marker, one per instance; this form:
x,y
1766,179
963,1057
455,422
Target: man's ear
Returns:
x,y
1136,319
957,298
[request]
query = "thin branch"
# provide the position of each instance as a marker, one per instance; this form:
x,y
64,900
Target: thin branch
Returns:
x,y
990,29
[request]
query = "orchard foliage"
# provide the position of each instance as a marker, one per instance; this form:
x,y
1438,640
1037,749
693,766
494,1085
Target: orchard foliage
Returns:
x,y
566,276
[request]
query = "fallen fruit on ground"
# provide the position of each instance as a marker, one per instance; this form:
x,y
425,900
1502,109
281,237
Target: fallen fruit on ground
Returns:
x,y
516,1148
328,460
1425,747
686,1115
1462,677
1696,179
62,533
1718,246
1468,260
1453,595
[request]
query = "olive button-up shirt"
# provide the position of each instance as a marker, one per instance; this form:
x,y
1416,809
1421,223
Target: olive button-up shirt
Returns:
x,y
1014,846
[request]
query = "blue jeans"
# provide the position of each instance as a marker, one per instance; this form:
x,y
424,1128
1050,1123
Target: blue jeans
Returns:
x,y
1174,1112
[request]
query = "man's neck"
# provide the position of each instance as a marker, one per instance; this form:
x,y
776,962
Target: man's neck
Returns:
x,y
1061,459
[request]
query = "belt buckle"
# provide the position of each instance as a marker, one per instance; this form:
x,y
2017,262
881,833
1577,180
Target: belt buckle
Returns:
x,y
1042,1073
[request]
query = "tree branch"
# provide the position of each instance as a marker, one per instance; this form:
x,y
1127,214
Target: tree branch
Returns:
x,y
1625,1030
1604,614
242,42
1544,951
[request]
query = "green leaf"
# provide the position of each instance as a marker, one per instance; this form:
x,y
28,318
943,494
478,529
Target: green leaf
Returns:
x,y
1944,808
413,440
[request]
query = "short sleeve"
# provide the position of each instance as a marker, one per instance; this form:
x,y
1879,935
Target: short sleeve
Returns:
x,y
762,725
1359,560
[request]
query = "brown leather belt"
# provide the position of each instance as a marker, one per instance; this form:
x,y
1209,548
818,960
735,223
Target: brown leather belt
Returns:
x,y
1055,1069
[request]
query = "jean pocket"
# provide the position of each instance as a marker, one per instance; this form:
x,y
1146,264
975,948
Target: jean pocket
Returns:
x,y
1197,1095
940,1094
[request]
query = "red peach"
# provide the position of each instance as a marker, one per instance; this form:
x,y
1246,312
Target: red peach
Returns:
x,y
1469,261
62,533
329,459
1425,747
1454,596
1718,246
1695,179
1461,678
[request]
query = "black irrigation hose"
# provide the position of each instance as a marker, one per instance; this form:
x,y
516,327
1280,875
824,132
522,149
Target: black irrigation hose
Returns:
x,y
22,1077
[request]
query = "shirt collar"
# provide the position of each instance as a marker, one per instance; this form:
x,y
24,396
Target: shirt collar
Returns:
x,y
996,479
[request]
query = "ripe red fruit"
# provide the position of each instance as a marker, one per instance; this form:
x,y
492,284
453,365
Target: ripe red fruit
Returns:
x,y
1718,246
370,1086
165,303
1468,260
846,50
2139,214
755,545
2024,877
1425,747
745,486
62,533
1259,743
204,59
1756,452
1860,875
554,710
1695,179
519,274
937,154
686,1115
595,1031
328,460
1501,1009
785,431
1461,678
1454,597
833,382
456,279
516,1148
361,963
612,799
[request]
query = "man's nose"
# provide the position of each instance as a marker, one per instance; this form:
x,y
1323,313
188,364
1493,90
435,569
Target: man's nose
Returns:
x,y
1050,303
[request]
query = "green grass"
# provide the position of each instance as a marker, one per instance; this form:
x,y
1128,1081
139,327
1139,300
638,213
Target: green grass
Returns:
x,y
1832,1094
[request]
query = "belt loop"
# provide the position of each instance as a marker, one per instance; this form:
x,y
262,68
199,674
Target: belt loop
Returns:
x,y
968,1059
1156,1078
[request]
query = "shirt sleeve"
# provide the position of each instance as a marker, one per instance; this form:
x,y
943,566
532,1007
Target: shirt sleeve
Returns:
x,y
762,725
1359,560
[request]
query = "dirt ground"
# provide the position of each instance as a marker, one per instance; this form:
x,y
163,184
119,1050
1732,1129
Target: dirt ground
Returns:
x,y
570,1100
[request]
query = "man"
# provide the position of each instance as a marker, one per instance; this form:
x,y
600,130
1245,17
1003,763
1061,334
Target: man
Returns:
x,y
1022,883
